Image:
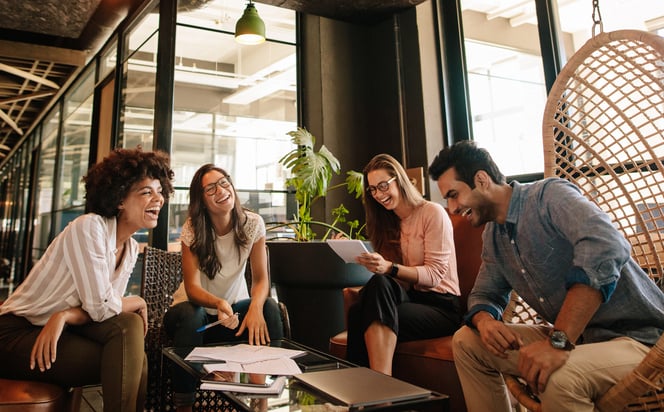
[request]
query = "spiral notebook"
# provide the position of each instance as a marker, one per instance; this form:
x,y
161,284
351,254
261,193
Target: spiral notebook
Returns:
x,y
357,387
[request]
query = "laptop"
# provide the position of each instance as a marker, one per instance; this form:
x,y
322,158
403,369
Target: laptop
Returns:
x,y
358,387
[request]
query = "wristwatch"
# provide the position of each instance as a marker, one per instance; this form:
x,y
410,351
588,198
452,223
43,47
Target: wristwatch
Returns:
x,y
559,340
395,270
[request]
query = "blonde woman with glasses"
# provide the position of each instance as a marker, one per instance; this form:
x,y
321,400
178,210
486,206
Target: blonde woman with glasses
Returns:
x,y
414,293
218,239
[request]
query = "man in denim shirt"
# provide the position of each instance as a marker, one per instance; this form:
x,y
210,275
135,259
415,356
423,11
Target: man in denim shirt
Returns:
x,y
564,257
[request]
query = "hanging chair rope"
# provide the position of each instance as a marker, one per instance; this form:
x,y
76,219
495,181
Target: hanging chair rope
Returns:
x,y
597,19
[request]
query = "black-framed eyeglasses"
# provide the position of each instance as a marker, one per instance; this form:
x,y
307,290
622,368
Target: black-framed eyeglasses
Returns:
x,y
382,186
211,189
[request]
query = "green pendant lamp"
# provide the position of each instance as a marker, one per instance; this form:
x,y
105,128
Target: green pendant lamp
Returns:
x,y
250,29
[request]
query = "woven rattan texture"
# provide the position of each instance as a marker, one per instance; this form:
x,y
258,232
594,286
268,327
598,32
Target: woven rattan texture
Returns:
x,y
603,130
162,274
647,378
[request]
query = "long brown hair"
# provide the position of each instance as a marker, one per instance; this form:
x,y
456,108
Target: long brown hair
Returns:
x,y
203,244
384,226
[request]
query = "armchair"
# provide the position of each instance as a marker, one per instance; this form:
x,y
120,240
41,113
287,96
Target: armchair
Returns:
x,y
429,362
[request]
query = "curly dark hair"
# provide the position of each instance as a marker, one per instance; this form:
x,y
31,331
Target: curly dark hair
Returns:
x,y
467,159
203,245
109,181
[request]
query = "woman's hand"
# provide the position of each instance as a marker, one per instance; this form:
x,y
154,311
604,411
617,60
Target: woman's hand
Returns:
x,y
256,326
224,309
44,351
374,262
136,304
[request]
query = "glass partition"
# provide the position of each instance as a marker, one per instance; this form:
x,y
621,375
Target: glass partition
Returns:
x,y
140,71
233,104
46,180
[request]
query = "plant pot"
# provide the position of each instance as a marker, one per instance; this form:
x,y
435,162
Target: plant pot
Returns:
x,y
309,278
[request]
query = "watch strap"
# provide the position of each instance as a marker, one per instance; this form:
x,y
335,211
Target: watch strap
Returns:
x,y
395,270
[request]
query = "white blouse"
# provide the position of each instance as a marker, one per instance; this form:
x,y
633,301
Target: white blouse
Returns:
x,y
229,282
78,269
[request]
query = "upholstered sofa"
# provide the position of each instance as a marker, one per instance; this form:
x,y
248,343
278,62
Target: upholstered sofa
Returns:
x,y
429,363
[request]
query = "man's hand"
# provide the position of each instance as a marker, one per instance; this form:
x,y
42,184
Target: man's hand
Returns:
x,y
538,361
496,336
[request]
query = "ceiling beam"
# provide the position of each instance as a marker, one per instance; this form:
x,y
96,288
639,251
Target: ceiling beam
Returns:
x,y
10,122
22,97
28,76
29,51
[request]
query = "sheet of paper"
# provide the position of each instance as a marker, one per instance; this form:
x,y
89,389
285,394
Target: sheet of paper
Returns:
x,y
347,249
279,366
241,353
274,389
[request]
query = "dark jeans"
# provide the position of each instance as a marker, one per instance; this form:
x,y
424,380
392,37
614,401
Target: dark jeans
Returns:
x,y
181,322
111,352
411,314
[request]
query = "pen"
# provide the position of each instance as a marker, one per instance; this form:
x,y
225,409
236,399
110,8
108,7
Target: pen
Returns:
x,y
215,323
208,326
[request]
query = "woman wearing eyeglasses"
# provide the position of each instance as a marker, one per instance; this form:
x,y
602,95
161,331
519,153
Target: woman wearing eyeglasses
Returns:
x,y
414,293
218,239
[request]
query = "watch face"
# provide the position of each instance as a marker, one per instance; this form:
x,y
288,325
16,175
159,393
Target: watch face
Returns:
x,y
558,339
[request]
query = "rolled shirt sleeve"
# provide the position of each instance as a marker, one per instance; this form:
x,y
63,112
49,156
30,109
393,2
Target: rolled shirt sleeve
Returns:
x,y
90,261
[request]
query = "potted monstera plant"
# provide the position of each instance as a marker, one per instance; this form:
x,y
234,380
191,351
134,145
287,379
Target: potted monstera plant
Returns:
x,y
309,277
311,175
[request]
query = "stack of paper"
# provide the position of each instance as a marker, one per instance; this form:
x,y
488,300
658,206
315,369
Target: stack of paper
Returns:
x,y
228,365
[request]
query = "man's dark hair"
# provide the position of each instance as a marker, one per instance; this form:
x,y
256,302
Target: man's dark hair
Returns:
x,y
108,182
466,159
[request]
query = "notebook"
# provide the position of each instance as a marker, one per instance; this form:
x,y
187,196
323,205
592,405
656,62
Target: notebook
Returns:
x,y
357,387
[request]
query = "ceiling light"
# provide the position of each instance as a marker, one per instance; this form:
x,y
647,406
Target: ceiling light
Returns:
x,y
250,29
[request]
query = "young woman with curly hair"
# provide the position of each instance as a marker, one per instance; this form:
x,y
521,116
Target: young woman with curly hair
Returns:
x,y
414,293
69,322
218,239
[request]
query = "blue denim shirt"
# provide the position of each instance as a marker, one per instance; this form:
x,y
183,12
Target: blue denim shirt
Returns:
x,y
554,237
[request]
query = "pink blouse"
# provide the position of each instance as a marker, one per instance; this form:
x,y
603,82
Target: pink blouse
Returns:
x,y
427,243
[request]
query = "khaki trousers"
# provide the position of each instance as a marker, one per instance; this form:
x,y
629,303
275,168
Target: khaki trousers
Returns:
x,y
590,371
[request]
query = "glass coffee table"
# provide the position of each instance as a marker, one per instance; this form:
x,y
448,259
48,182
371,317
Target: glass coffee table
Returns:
x,y
295,396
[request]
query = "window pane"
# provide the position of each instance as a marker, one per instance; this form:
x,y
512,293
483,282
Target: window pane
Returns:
x,y
234,105
506,83
46,180
140,70
76,141
108,59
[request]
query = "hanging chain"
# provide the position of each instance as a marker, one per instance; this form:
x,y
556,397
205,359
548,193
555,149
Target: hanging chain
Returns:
x,y
597,19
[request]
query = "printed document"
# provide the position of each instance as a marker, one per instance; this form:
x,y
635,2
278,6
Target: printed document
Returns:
x,y
348,249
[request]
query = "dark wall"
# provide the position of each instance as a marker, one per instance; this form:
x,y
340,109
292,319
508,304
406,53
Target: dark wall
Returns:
x,y
358,97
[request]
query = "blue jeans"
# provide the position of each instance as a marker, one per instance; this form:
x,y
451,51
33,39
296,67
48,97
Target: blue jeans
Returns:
x,y
181,322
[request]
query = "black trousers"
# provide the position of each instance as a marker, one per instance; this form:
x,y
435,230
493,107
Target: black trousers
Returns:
x,y
411,314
